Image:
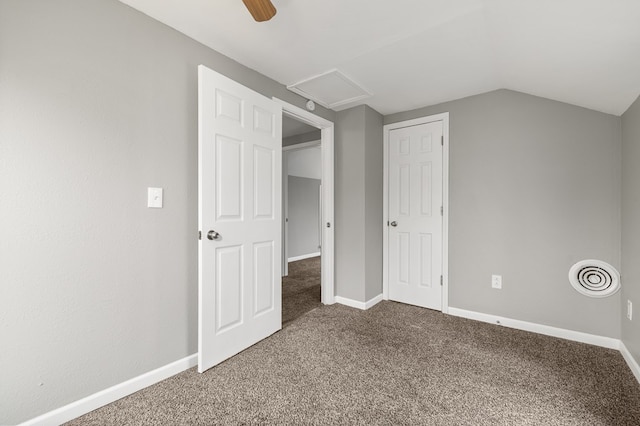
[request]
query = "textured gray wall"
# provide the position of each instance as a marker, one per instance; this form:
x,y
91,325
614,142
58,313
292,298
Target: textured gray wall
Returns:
x,y
373,202
631,227
358,198
97,102
349,203
304,205
534,187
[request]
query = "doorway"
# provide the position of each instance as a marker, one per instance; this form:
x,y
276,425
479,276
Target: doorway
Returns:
x,y
304,282
301,197
308,122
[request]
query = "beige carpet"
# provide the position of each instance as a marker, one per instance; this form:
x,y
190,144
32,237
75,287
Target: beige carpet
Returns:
x,y
300,289
393,364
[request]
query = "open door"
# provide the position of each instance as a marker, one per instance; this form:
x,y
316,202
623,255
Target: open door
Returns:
x,y
239,217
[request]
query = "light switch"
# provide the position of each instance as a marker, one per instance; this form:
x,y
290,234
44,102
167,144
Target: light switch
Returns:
x,y
154,198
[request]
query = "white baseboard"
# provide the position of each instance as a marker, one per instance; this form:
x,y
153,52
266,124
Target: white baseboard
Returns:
x,y
631,362
372,302
357,304
109,395
304,256
577,336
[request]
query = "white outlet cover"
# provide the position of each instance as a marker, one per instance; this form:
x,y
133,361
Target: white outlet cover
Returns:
x,y
496,281
629,310
154,198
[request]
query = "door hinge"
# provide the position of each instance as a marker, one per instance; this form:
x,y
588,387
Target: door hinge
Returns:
x,y
440,279
387,223
442,140
441,210
199,235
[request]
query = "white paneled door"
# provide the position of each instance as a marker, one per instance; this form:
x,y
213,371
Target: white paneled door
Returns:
x,y
415,215
240,190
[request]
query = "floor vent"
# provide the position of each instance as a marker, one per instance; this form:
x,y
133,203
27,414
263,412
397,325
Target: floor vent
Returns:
x,y
594,278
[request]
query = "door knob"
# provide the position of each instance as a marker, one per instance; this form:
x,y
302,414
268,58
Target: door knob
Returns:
x,y
394,223
213,235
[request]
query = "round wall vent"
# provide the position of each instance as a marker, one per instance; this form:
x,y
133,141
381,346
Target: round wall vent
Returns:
x,y
594,278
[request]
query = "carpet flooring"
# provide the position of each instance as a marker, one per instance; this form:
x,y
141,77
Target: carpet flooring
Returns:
x,y
300,289
393,364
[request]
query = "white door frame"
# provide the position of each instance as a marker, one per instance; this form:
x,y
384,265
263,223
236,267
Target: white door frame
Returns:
x,y
444,117
327,241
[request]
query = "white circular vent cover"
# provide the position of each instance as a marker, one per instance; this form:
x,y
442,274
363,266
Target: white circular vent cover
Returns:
x,y
594,278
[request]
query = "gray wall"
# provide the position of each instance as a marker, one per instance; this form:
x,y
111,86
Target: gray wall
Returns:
x,y
373,177
349,203
97,102
358,203
304,137
534,187
631,227
304,209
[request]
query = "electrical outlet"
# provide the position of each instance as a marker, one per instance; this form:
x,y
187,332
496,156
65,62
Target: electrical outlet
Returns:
x,y
496,281
629,310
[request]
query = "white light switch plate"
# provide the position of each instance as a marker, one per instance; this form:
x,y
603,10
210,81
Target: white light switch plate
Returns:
x,y
154,198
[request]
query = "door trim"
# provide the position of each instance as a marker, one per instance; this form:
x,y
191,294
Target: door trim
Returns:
x,y
444,117
326,142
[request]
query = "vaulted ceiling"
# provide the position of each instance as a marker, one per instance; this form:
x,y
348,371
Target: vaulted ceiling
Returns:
x,y
413,53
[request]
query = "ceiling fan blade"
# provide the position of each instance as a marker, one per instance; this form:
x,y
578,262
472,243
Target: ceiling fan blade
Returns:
x,y
261,10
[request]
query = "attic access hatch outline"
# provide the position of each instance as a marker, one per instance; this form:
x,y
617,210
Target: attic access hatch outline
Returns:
x,y
331,89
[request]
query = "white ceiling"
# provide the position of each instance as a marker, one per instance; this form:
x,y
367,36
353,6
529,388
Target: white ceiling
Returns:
x,y
413,53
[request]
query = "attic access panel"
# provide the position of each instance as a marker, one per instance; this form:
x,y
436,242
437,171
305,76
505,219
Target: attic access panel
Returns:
x,y
331,90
